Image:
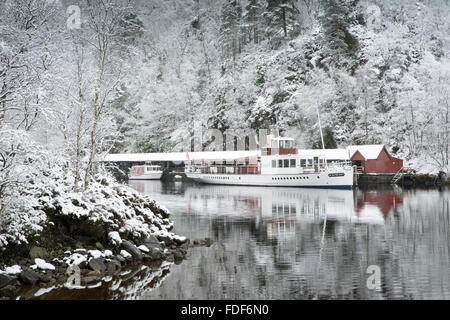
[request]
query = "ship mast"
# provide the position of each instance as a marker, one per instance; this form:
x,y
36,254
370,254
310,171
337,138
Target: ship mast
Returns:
x,y
320,127
321,136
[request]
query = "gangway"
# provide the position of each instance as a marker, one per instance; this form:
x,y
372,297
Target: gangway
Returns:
x,y
397,176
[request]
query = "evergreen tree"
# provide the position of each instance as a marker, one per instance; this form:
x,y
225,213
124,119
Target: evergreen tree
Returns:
x,y
253,17
128,117
282,18
328,139
340,45
230,29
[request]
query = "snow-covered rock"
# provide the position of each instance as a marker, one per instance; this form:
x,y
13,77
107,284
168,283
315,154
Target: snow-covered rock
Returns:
x,y
75,259
115,238
13,270
144,249
108,253
125,254
43,265
96,254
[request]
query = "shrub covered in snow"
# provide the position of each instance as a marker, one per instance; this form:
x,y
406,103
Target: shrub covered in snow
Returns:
x,y
45,198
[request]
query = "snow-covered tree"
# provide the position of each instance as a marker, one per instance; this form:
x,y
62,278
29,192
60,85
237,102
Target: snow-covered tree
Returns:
x,y
282,19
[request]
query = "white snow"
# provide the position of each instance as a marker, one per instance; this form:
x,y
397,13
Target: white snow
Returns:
x,y
125,254
143,249
43,291
370,152
75,259
108,253
96,254
179,238
115,238
182,156
13,270
98,284
43,265
124,273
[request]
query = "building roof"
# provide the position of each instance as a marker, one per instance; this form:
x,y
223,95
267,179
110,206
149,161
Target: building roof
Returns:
x,y
182,156
369,152
329,154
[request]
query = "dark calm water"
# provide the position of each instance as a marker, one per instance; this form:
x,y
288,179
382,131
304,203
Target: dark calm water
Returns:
x,y
293,243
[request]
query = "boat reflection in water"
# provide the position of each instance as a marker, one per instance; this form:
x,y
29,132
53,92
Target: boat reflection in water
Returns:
x,y
282,208
294,243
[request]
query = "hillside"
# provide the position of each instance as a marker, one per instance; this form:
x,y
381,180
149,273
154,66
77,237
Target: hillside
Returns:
x,y
377,76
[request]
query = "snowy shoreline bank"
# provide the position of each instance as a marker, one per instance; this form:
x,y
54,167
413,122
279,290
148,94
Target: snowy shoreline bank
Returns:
x,y
89,269
94,232
410,180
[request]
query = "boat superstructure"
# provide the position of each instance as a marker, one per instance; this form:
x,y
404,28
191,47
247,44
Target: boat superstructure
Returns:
x,y
145,172
278,164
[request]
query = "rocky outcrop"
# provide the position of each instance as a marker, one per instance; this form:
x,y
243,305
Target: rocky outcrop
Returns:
x,y
113,267
8,292
152,242
207,242
6,280
95,264
29,277
133,250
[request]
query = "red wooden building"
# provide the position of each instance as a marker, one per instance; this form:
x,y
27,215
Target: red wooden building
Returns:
x,y
374,159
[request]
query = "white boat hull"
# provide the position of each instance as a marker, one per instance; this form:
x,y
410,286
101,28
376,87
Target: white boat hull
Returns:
x,y
146,176
340,180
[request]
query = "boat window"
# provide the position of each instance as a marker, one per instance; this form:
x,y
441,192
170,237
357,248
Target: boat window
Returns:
x,y
303,163
281,143
293,209
310,162
280,163
293,163
286,163
321,162
274,163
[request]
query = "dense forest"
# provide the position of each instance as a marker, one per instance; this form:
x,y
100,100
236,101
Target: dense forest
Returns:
x,y
80,79
379,71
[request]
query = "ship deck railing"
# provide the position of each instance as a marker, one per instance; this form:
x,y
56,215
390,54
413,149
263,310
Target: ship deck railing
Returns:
x,y
224,170
248,170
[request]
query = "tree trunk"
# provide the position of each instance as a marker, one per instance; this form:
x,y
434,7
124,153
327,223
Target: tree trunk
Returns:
x,y
80,59
78,152
284,21
3,97
97,107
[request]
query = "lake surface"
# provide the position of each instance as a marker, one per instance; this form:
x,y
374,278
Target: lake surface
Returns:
x,y
294,243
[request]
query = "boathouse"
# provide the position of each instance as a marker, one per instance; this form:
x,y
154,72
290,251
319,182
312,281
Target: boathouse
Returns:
x,y
374,159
